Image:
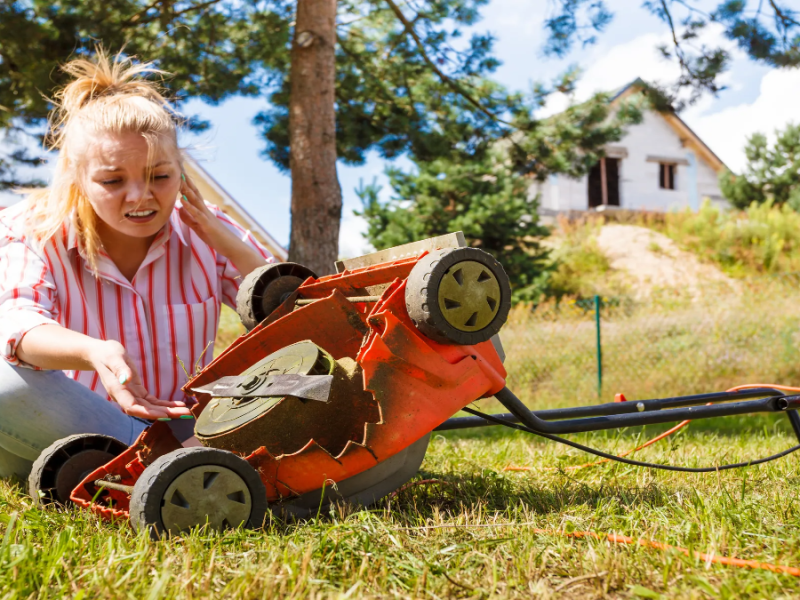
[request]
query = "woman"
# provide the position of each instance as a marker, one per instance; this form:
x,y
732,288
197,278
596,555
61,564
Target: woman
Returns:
x,y
109,290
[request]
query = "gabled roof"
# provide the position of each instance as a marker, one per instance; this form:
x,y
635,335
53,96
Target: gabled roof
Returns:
x,y
216,194
685,133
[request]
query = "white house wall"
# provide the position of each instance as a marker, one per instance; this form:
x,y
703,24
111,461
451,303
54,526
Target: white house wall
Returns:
x,y
639,185
639,178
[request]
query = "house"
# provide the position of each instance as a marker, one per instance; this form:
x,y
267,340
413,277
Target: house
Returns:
x,y
659,165
214,193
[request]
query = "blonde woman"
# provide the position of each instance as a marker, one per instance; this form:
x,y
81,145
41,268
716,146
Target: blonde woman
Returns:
x,y
112,276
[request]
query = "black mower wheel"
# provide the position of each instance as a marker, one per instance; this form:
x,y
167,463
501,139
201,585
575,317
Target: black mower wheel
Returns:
x,y
266,288
66,462
195,487
458,296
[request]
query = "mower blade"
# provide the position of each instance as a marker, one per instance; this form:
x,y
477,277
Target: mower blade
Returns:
x,y
307,387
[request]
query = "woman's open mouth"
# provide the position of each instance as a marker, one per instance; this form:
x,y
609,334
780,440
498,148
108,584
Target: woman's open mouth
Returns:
x,y
141,216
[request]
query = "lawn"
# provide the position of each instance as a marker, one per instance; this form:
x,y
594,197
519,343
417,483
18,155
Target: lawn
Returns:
x,y
480,530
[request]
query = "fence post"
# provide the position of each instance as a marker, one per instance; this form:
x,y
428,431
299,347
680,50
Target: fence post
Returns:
x,y
599,346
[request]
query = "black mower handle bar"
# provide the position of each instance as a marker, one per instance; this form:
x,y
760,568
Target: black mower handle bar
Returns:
x,y
614,415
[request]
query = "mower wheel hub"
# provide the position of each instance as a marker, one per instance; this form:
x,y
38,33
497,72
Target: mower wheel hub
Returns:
x,y
469,296
210,493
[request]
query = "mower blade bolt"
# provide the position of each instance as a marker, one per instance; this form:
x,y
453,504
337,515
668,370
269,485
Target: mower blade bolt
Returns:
x,y
251,383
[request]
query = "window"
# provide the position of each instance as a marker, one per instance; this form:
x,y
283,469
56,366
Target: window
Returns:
x,y
666,176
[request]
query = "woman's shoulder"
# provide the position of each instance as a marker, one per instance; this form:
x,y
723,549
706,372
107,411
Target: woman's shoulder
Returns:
x,y
12,221
14,229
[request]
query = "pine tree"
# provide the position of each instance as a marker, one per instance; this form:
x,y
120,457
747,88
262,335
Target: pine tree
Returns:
x,y
772,173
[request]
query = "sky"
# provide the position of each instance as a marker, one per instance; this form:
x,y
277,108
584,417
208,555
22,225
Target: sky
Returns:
x,y
757,99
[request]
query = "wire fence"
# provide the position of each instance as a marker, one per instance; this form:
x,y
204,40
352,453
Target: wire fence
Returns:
x,y
673,342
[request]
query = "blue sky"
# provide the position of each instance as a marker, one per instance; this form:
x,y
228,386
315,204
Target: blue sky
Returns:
x,y
757,99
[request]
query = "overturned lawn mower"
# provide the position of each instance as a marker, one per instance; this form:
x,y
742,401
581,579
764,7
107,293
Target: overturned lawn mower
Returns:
x,y
333,393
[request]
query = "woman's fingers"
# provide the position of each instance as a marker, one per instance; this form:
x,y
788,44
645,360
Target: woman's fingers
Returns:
x,y
186,215
138,407
190,184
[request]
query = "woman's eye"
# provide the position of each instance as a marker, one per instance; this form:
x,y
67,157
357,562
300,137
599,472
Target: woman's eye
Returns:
x,y
161,177
110,181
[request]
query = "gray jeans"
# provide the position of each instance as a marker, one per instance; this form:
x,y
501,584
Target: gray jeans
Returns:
x,y
39,407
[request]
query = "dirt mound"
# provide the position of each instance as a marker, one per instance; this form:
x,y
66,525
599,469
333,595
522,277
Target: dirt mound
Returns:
x,y
652,260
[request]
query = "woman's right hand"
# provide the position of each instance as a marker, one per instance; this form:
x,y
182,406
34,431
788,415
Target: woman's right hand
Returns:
x,y
113,365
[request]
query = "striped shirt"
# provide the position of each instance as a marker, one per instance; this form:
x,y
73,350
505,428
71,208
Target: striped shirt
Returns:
x,y
166,318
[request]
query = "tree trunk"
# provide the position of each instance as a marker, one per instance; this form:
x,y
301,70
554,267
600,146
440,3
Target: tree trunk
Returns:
x,y
316,195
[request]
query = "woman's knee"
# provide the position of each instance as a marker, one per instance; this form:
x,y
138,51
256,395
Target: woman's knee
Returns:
x,y
40,407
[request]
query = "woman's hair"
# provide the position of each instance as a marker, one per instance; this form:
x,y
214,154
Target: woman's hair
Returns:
x,y
106,94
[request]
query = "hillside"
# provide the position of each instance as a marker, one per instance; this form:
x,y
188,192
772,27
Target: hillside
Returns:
x,y
634,253
646,259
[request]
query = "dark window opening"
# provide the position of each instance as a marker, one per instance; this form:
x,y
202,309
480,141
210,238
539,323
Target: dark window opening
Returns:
x,y
604,183
666,176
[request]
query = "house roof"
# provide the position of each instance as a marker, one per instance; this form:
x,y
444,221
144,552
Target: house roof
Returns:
x,y
687,136
216,194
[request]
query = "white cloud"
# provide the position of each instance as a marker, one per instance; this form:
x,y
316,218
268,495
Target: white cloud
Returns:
x,y
351,242
726,131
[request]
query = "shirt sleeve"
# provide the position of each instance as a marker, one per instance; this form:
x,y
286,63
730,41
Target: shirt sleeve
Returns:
x,y
27,296
228,274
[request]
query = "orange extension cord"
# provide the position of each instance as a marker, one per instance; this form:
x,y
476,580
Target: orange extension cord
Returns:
x,y
623,539
709,558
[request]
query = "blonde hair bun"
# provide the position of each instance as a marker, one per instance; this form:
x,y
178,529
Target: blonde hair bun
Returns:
x,y
111,93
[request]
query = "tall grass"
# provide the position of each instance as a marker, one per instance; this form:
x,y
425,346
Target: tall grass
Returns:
x,y
669,344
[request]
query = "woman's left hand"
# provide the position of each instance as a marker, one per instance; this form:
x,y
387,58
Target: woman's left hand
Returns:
x,y
213,232
196,215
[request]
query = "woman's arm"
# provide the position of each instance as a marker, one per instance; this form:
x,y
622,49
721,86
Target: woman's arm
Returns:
x,y
54,347
213,232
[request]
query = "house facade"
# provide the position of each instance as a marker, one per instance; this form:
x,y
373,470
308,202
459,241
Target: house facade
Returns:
x,y
659,165
214,193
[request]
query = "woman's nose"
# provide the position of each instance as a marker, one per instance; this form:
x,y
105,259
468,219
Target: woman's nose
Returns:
x,y
138,191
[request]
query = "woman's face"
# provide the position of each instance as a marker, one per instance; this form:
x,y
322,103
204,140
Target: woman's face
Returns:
x,y
116,185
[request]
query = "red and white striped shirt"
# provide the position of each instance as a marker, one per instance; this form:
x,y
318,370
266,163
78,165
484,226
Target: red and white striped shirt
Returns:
x,y
166,316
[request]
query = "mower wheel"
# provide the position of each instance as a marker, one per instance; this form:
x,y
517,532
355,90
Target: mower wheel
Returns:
x,y
458,296
66,462
266,288
195,487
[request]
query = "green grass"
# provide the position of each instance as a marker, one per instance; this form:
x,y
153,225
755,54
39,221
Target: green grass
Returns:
x,y
752,513
472,533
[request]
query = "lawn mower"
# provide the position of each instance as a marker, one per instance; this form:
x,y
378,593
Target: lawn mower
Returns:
x,y
332,395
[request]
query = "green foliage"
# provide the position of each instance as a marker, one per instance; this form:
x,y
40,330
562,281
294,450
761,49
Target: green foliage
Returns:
x,y
769,33
408,80
397,92
772,173
765,238
579,268
402,93
484,198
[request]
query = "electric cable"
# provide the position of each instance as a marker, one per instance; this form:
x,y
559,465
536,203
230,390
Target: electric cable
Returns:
x,y
628,461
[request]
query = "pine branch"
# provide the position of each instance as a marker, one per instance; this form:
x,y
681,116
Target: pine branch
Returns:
x,y
453,84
